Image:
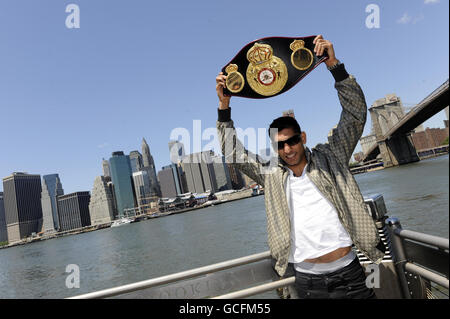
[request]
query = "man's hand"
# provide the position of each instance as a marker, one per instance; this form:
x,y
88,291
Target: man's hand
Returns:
x,y
224,100
321,45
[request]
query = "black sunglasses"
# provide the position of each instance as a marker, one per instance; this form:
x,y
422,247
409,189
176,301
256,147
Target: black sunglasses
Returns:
x,y
293,140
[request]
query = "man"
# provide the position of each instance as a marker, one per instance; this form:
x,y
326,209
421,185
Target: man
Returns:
x,y
315,210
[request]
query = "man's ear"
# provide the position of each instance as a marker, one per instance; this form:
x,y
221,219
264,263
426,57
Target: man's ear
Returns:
x,y
303,134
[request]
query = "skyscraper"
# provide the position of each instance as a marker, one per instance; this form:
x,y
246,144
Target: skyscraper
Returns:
x,y
288,113
101,203
105,167
149,166
199,172
136,161
51,188
121,178
170,181
142,188
23,210
74,210
3,233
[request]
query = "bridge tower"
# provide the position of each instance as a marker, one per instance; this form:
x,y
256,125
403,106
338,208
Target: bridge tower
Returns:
x,y
397,149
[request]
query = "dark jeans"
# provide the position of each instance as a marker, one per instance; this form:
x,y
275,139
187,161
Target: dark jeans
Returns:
x,y
346,283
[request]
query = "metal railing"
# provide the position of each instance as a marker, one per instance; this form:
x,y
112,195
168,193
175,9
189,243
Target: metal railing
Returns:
x,y
407,252
174,277
420,254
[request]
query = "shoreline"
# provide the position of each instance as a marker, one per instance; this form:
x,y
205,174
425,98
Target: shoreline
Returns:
x,y
237,196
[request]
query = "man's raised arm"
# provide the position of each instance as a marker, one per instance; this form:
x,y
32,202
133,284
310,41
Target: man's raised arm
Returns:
x,y
345,136
232,148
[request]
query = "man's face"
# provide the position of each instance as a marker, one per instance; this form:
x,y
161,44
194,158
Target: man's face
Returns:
x,y
291,154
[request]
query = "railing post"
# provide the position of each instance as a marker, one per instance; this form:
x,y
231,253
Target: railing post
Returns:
x,y
398,254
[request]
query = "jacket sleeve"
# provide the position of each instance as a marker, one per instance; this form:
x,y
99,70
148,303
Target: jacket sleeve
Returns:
x,y
235,153
344,137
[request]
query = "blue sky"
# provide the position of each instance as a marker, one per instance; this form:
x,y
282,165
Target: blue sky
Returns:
x,y
134,69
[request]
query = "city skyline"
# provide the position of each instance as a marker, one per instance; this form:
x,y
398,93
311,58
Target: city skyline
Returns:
x,y
106,85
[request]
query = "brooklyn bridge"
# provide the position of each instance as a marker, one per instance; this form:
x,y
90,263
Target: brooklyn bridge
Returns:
x,y
391,127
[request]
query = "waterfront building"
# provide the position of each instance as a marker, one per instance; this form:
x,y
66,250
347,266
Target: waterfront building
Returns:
x,y
51,189
105,168
199,172
123,184
170,181
3,233
74,211
101,206
142,189
429,138
23,210
114,201
136,161
149,166
192,175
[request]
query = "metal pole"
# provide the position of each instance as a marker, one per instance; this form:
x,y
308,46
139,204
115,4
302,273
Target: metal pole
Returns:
x,y
423,238
441,280
174,277
399,254
258,289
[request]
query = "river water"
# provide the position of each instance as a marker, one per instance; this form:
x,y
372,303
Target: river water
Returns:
x,y
416,193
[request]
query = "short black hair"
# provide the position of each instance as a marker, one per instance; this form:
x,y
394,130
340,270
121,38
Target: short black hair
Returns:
x,y
285,122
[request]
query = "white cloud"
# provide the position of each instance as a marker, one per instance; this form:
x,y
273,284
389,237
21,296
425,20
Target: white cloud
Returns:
x,y
103,145
405,19
431,1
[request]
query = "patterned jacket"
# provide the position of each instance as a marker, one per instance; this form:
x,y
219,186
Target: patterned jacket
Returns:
x,y
327,169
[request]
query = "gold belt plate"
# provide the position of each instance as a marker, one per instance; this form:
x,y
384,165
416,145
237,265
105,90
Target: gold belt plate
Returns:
x,y
266,73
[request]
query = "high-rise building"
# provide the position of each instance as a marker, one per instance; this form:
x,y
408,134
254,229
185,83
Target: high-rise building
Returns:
x,y
170,180
288,113
101,206
113,193
105,167
74,210
3,233
142,189
51,189
136,161
122,181
199,172
149,166
176,151
23,210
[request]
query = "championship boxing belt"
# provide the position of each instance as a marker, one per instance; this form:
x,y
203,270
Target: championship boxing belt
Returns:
x,y
270,66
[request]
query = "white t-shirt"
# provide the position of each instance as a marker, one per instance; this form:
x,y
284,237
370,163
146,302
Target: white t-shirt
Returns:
x,y
315,226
